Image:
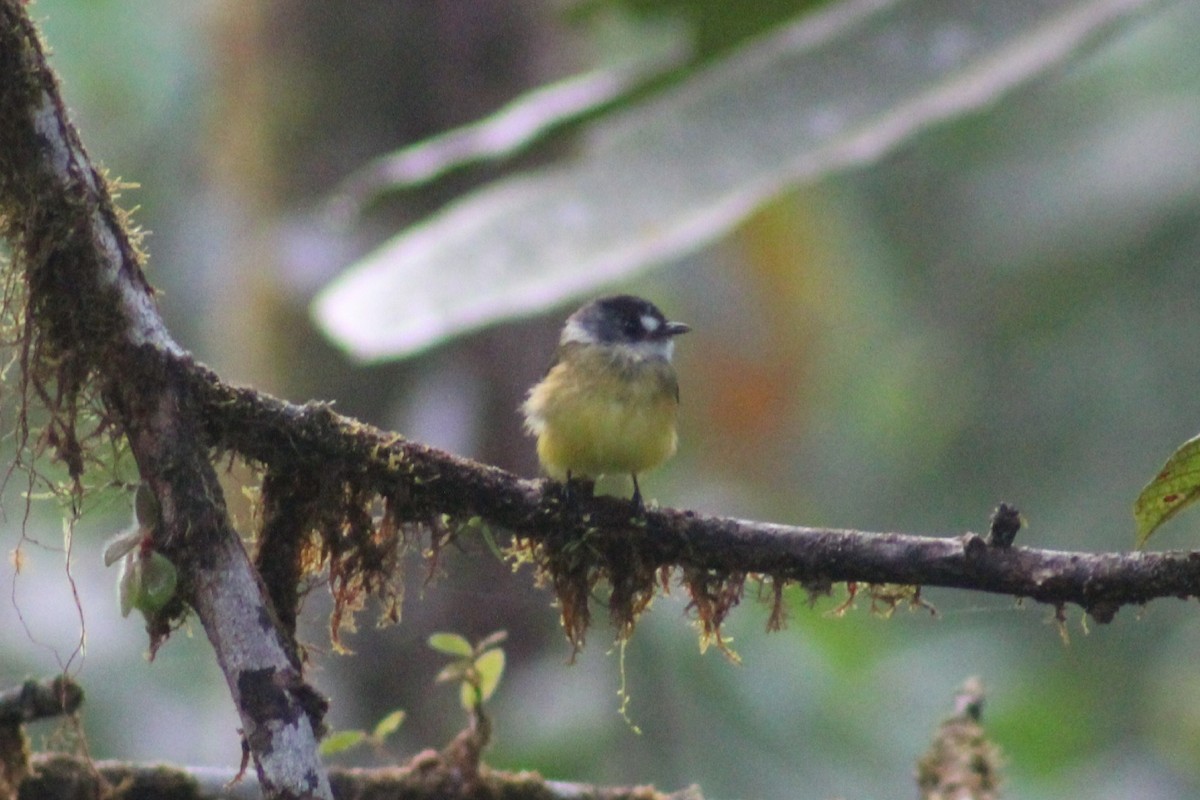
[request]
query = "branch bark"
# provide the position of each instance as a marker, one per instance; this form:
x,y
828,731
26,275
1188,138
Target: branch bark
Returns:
x,y
91,322
281,435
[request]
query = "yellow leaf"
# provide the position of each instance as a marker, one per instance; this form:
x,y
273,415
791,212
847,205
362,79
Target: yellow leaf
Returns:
x,y
468,696
490,666
341,741
388,725
451,644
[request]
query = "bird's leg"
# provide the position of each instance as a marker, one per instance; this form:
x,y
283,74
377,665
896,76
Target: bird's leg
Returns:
x,y
577,489
638,507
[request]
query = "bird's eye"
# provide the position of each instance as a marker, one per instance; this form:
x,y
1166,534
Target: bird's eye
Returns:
x,y
632,327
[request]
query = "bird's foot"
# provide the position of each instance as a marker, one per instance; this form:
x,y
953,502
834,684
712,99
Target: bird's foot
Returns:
x,y
577,490
639,508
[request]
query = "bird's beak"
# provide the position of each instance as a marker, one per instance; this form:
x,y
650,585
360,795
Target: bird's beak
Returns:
x,y
676,328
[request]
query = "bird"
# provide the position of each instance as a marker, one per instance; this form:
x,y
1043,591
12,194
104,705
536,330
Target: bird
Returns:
x,y
608,403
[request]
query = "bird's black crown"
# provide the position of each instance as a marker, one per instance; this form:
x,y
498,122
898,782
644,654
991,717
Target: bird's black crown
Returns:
x,y
623,318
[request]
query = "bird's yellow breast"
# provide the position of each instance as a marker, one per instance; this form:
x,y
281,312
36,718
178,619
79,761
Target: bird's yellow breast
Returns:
x,y
594,415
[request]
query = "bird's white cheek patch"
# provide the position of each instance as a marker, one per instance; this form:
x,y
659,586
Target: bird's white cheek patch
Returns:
x,y
653,349
574,332
650,324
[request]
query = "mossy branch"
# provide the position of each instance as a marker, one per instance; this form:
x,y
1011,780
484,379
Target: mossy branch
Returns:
x,y
631,551
92,339
63,777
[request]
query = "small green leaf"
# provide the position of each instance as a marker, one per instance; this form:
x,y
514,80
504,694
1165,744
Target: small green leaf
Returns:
x,y
1174,488
388,725
341,741
147,582
489,539
490,666
159,577
451,644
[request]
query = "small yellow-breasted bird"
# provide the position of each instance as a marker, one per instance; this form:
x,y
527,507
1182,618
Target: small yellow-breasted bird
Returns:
x,y
608,403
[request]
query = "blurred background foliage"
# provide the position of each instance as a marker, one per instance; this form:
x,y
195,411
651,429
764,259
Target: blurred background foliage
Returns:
x,y
1002,308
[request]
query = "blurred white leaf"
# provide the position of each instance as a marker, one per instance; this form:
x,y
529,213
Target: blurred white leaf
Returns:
x,y
122,544
835,89
514,127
